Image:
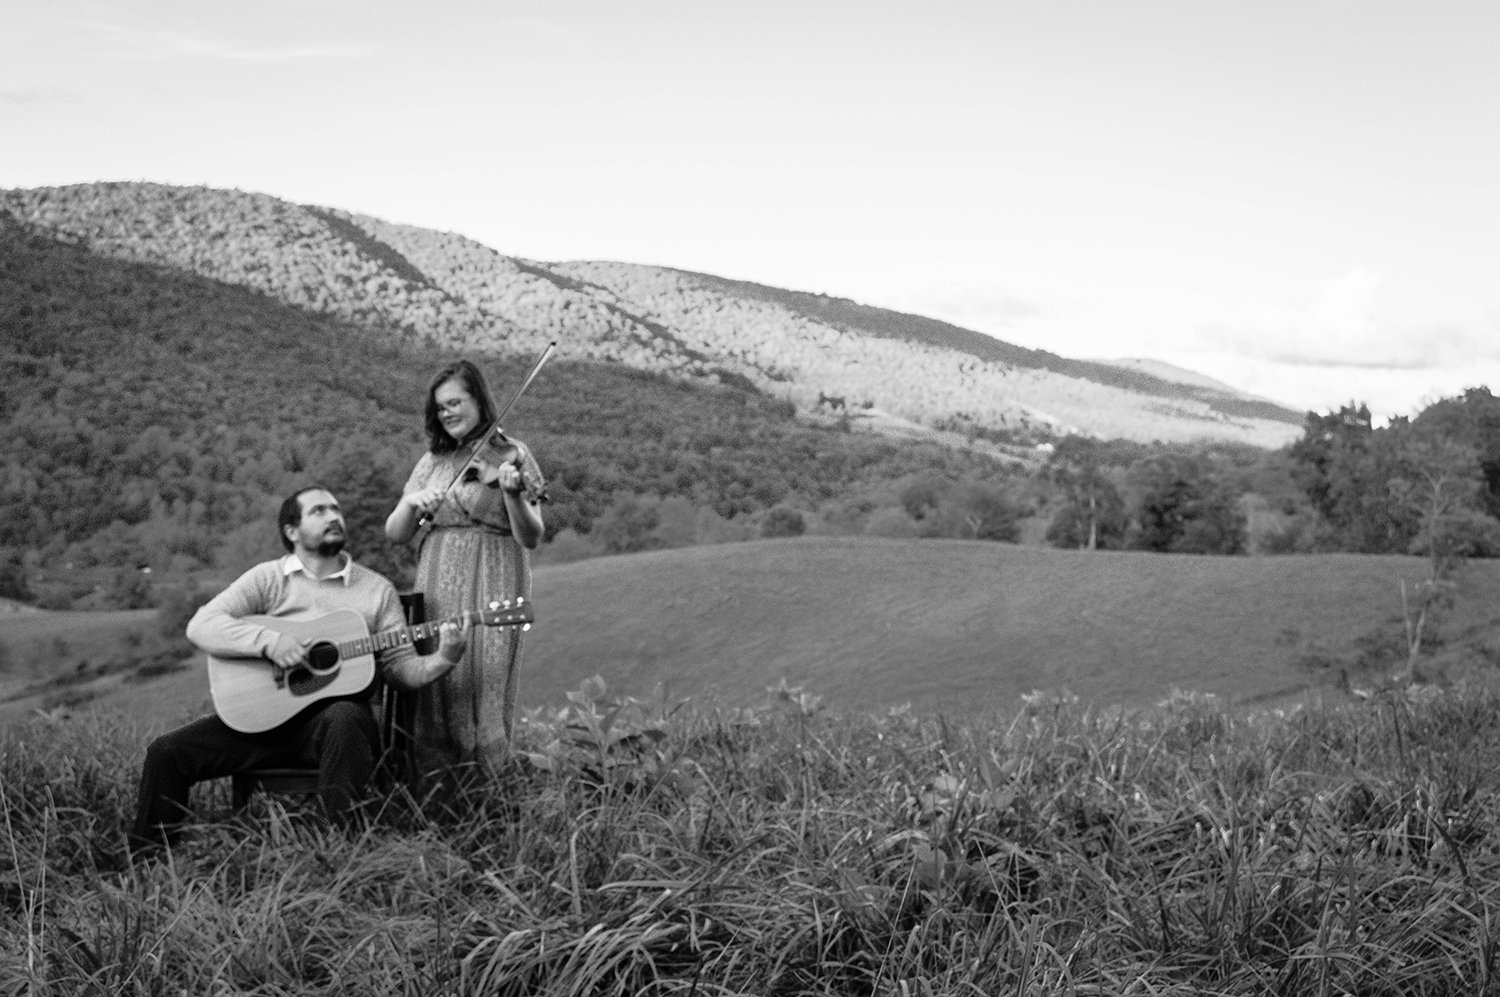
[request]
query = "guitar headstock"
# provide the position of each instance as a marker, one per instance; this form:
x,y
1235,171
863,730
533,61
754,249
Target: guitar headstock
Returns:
x,y
510,613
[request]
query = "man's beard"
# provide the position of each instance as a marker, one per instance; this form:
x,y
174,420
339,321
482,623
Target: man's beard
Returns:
x,y
328,548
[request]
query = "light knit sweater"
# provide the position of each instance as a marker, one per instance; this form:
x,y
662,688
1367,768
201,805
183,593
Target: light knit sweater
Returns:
x,y
284,588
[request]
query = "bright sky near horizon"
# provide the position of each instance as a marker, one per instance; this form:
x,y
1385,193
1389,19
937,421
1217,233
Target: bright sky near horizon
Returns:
x,y
1298,197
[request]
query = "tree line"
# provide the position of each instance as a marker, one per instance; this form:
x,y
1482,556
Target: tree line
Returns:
x,y
1425,482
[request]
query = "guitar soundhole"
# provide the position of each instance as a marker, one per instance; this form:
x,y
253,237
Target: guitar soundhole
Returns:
x,y
301,682
322,657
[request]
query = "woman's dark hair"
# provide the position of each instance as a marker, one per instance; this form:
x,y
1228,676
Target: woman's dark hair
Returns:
x,y
472,381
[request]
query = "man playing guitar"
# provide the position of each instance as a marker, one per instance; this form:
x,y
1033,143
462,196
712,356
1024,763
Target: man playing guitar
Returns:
x,y
338,734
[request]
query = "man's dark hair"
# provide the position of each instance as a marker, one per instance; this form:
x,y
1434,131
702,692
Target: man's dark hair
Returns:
x,y
472,380
291,513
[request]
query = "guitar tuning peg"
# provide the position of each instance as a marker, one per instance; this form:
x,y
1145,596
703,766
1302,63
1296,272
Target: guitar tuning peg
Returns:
x,y
525,627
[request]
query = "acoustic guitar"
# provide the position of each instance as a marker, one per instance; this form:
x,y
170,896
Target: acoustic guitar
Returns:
x,y
252,695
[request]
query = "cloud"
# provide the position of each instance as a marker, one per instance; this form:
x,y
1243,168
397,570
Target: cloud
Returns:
x,y
1350,324
1388,391
171,43
33,96
219,50
1344,316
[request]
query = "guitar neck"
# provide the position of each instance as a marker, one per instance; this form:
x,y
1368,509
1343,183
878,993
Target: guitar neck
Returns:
x,y
401,636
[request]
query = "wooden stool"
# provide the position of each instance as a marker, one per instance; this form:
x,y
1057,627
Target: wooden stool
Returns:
x,y
288,782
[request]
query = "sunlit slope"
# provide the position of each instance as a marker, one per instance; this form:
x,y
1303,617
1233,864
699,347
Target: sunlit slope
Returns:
x,y
442,288
954,625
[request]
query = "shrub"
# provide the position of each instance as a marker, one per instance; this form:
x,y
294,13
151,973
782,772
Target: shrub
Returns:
x,y
783,522
176,607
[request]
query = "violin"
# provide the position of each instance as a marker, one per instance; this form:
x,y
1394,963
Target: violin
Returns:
x,y
492,452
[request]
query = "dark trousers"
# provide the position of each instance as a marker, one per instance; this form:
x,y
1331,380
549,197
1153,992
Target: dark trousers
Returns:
x,y
338,736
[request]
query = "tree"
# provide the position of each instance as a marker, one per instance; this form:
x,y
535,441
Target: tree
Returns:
x,y
1183,506
783,521
964,509
1440,483
922,495
891,521
176,606
676,522
128,588
1092,507
974,510
1342,464
1472,418
629,524
13,576
1101,523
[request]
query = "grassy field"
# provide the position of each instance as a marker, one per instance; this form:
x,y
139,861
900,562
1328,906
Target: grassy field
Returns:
x,y
957,626
38,643
790,850
811,839
48,658
948,627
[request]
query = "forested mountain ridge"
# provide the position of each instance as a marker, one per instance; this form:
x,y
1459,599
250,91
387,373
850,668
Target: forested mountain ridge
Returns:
x,y
151,420
449,290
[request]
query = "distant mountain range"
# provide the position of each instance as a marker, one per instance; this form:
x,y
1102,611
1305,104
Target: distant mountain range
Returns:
x,y
832,357
1173,373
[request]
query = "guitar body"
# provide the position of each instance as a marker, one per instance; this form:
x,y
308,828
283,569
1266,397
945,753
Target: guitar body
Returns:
x,y
251,696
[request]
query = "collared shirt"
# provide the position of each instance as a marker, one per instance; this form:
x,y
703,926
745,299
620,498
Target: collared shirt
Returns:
x,y
292,563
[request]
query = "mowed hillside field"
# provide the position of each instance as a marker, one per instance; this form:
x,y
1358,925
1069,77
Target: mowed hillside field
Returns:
x,y
964,626
957,627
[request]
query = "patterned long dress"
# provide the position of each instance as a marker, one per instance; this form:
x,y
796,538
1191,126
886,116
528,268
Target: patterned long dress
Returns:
x,y
468,558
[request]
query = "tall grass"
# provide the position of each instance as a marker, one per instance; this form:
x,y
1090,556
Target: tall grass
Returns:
x,y
659,849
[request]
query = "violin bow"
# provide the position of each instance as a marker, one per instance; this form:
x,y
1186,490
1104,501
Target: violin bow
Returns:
x,y
535,369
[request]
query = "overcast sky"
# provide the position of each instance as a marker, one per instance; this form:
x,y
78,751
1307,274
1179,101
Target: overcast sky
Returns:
x,y
1299,198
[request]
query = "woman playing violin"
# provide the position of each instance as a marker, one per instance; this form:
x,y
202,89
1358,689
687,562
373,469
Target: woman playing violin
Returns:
x,y
475,498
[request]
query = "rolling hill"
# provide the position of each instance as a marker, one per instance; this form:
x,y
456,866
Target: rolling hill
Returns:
x,y
952,626
443,288
957,625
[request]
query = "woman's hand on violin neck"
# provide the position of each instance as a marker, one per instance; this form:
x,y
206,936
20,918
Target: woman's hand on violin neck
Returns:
x,y
496,474
509,478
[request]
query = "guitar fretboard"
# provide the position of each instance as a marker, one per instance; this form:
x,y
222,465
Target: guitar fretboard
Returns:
x,y
388,639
